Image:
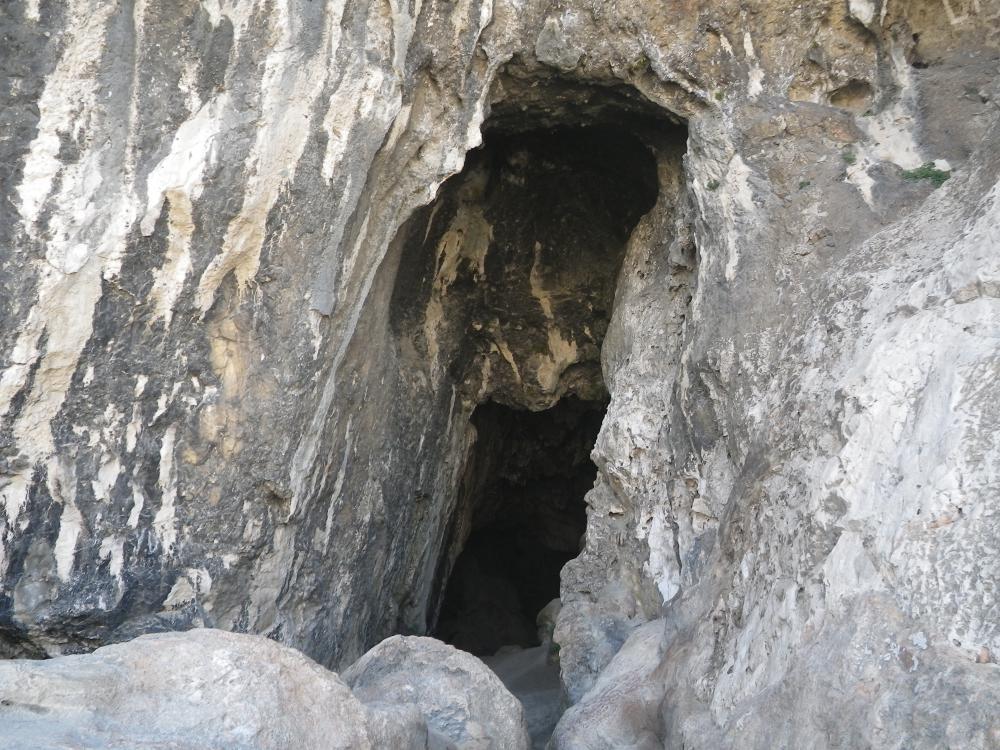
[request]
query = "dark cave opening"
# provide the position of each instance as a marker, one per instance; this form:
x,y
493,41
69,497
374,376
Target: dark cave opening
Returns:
x,y
518,262
528,474
503,295
504,292
518,256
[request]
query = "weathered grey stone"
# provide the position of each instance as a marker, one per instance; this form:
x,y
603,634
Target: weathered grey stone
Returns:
x,y
554,45
464,704
546,620
220,402
622,708
209,689
199,689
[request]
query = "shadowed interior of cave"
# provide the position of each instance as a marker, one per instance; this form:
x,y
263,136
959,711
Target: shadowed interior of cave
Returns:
x,y
510,287
530,472
503,296
513,271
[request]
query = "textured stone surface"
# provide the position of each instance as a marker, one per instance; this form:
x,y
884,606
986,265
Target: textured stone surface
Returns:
x,y
199,689
463,703
622,708
210,413
211,689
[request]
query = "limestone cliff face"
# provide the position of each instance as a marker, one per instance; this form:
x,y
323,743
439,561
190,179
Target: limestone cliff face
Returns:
x,y
246,317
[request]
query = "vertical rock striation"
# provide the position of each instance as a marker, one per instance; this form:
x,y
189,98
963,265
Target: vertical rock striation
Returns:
x,y
239,355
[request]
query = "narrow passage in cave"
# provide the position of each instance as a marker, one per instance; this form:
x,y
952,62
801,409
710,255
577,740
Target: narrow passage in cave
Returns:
x,y
532,470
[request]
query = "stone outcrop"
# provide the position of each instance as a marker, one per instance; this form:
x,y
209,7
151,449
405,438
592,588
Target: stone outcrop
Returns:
x,y
622,708
258,276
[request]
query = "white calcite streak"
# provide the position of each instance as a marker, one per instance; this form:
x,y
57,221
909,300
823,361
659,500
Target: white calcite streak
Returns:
x,y
165,522
85,239
64,106
755,82
289,88
31,10
737,201
62,485
892,130
178,180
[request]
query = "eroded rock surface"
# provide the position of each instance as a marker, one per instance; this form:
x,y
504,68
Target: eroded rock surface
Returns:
x,y
257,278
464,704
199,689
212,689
622,708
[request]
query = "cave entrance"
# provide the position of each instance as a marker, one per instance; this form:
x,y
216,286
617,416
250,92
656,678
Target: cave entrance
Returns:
x,y
511,276
527,478
504,291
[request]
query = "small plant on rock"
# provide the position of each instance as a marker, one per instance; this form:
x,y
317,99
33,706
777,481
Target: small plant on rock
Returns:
x,y
712,185
927,171
640,64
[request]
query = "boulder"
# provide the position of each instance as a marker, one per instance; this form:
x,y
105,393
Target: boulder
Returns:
x,y
464,704
209,689
621,709
197,689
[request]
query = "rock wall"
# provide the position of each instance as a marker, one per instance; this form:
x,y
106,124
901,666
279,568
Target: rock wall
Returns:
x,y
208,416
